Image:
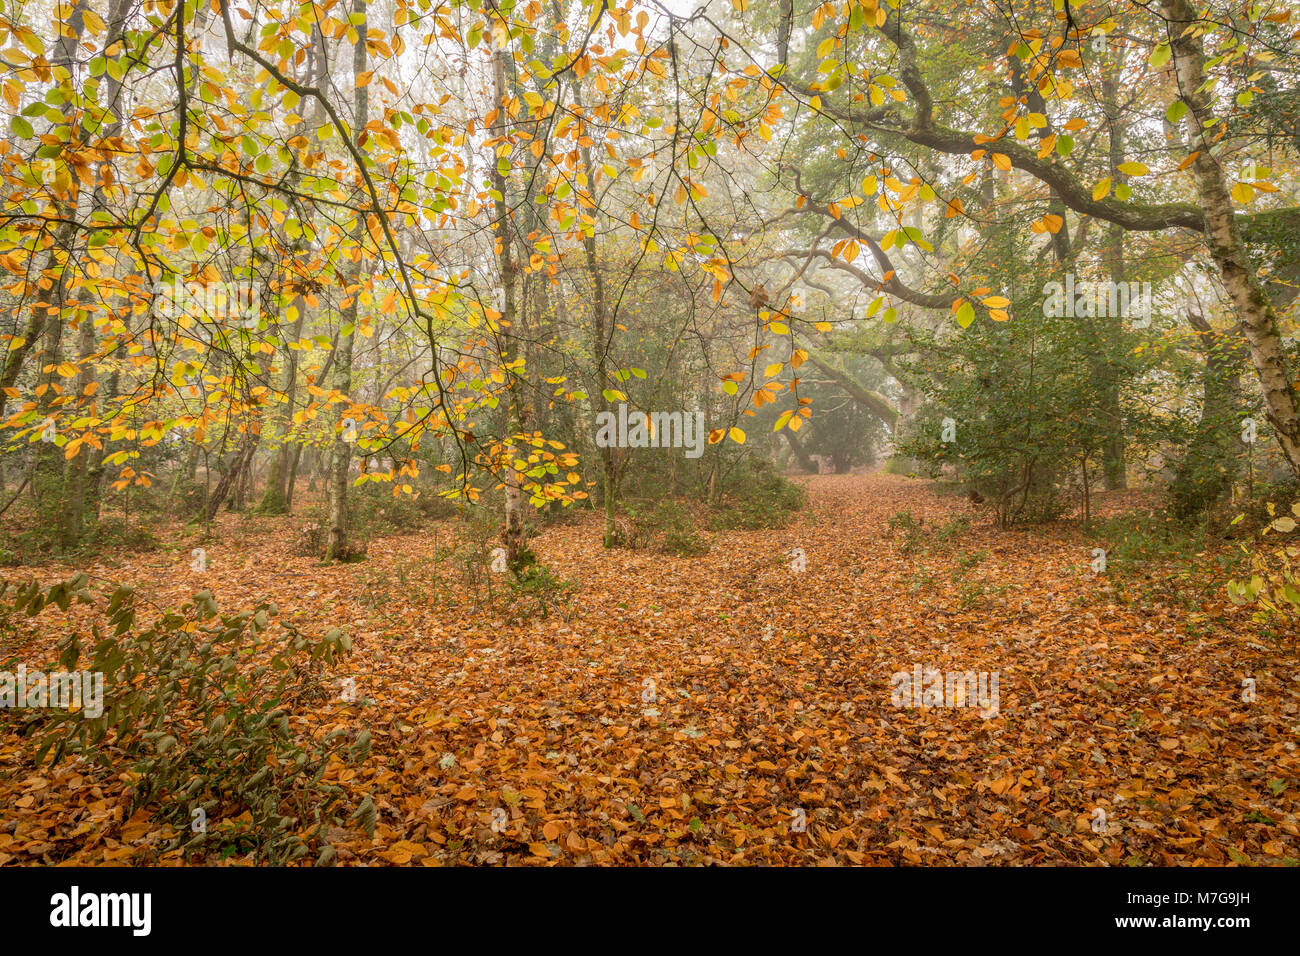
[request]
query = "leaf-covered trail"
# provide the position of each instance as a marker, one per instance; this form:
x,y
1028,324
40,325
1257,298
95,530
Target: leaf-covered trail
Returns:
x,y
698,710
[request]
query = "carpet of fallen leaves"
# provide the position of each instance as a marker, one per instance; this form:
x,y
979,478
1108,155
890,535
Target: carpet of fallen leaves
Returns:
x,y
685,710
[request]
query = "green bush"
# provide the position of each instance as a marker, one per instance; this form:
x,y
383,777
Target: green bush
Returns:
x,y
112,533
199,706
759,497
911,531
536,592
1273,586
1136,538
375,510
909,528
666,527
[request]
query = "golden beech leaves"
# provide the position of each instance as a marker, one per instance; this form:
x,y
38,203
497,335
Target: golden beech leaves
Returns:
x,y
518,761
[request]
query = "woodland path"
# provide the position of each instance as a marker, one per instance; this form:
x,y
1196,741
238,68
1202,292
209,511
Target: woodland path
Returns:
x,y
686,709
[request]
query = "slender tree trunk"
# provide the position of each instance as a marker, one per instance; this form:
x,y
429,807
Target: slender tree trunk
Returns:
x,y
800,453
515,535
601,334
232,474
336,543
1210,463
1259,320
275,499
73,513
1113,448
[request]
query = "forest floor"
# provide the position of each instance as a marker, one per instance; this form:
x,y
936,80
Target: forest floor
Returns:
x,y
730,709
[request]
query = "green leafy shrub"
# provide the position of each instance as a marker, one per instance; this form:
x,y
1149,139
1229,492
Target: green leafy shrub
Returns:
x,y
761,498
114,534
536,592
1274,582
1137,538
470,571
912,535
909,529
666,527
199,705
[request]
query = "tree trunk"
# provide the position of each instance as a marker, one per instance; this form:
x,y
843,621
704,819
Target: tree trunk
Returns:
x,y
232,474
275,499
601,333
336,542
1258,318
515,535
800,453
73,514
1209,464
1113,446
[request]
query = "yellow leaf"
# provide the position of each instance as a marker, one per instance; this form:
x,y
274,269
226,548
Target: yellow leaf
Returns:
x,y
737,435
1101,190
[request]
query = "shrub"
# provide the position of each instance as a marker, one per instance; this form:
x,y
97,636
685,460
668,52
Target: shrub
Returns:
x,y
666,527
1137,538
199,705
761,497
906,525
309,541
374,509
535,591
115,534
1274,582
911,529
